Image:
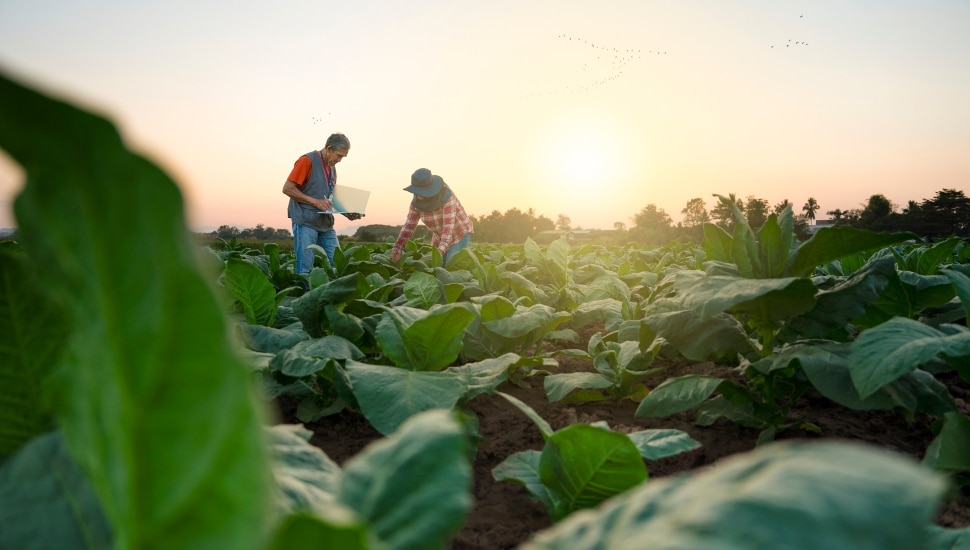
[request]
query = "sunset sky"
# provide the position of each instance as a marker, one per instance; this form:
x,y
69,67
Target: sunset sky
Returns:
x,y
588,109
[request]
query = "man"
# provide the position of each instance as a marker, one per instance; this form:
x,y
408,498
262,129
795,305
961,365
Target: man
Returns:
x,y
310,186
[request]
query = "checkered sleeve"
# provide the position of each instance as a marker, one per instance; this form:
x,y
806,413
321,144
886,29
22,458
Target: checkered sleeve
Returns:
x,y
408,228
449,215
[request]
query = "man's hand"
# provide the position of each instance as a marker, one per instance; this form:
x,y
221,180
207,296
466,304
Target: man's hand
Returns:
x,y
324,204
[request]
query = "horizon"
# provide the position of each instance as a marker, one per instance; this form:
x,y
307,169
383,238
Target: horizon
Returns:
x,y
592,112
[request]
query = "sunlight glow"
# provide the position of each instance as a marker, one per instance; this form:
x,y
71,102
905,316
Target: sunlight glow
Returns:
x,y
582,155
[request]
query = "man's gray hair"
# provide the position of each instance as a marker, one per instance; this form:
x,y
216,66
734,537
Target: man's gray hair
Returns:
x,y
338,142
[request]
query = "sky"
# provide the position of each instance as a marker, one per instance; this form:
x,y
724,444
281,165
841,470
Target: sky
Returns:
x,y
591,110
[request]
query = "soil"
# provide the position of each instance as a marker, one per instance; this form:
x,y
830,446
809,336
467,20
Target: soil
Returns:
x,y
504,516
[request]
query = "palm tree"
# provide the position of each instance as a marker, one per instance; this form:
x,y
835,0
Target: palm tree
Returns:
x,y
810,208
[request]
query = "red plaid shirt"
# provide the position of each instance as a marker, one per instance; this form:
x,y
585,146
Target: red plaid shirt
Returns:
x,y
448,225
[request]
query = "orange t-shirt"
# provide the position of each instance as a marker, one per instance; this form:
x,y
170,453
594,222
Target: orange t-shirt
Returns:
x,y
301,170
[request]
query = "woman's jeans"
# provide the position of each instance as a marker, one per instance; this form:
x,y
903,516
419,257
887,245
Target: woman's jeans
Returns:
x,y
453,249
303,237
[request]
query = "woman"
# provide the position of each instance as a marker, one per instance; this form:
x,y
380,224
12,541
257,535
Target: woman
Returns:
x,y
435,205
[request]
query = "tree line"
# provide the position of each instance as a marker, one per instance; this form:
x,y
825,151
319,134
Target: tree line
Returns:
x,y
947,213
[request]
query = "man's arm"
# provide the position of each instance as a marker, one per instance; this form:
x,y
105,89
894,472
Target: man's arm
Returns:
x,y
292,190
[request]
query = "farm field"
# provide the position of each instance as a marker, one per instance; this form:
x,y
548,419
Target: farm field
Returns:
x,y
160,393
504,515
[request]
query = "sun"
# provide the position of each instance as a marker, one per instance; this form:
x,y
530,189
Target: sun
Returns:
x,y
581,155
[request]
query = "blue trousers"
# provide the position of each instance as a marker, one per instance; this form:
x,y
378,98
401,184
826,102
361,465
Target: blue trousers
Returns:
x,y
453,249
303,237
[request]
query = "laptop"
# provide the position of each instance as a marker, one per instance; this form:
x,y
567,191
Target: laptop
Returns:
x,y
349,200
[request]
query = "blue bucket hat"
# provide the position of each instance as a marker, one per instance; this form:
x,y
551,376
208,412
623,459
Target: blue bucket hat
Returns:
x,y
424,183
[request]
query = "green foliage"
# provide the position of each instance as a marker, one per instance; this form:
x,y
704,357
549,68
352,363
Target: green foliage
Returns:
x,y
620,367
582,465
47,502
785,495
139,331
34,332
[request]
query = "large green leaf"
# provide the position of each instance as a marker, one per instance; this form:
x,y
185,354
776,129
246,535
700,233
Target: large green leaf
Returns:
x,y
527,322
523,467
249,285
554,264
709,295
33,331
304,530
661,443
773,246
343,324
701,338
583,465
939,254
270,340
832,243
388,396
847,300
311,307
484,376
558,386
606,286
717,243
884,353
306,478
950,450
313,355
149,355
926,290
423,290
413,488
828,368
430,340
805,495
46,502
961,285
678,394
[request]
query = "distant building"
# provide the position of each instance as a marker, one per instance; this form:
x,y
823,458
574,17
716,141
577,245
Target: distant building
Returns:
x,y
568,234
820,224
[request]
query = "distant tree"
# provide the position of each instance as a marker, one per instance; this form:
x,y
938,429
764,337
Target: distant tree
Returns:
x,y
875,214
756,212
514,226
619,226
563,223
723,215
810,208
695,213
653,225
947,213
778,208
800,226
226,232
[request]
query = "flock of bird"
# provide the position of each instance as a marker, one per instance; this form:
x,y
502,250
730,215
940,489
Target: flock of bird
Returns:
x,y
797,43
617,60
609,63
